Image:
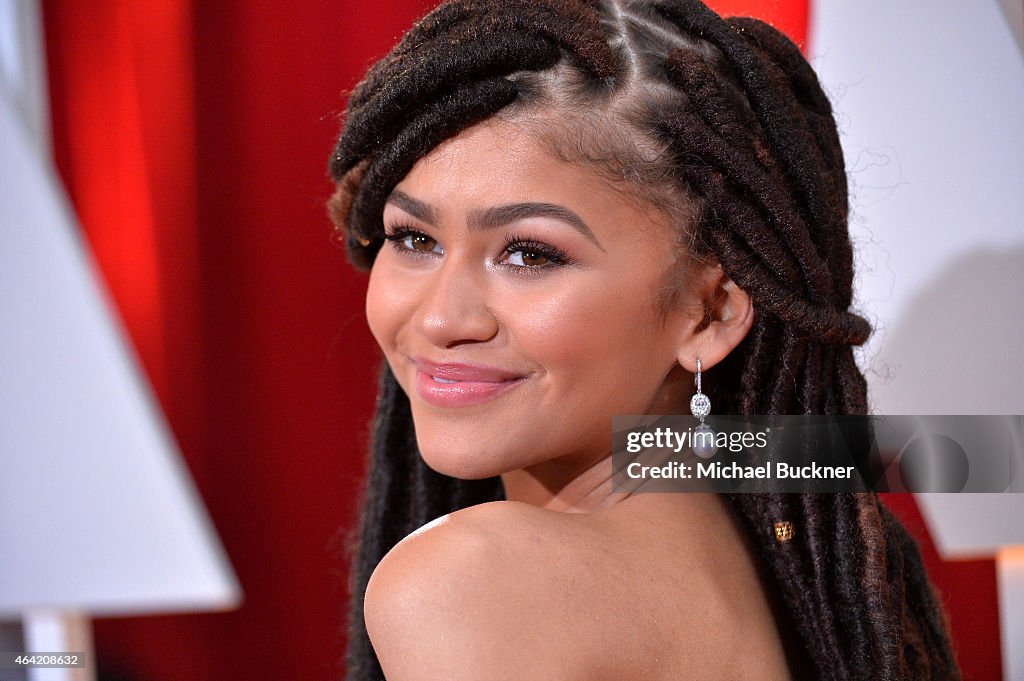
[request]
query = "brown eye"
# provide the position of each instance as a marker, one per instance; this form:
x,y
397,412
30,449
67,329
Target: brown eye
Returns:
x,y
529,255
421,243
412,242
527,258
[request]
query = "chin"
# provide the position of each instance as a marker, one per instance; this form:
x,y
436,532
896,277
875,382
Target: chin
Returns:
x,y
465,453
461,447
460,462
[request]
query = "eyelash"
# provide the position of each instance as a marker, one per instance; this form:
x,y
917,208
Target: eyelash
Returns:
x,y
513,243
556,257
398,234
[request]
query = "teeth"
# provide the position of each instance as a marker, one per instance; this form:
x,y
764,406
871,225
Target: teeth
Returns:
x,y
442,380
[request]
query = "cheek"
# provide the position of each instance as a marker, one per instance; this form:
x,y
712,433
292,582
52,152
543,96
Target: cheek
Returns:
x,y
388,303
594,326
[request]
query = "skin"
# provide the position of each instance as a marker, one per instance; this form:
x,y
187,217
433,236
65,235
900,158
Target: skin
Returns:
x,y
501,586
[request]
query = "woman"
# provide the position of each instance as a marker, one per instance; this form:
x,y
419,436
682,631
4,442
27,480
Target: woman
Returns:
x,y
566,205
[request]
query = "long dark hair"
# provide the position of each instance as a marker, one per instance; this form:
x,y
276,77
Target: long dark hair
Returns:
x,y
728,115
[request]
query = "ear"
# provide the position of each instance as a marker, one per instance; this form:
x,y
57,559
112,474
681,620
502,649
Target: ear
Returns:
x,y
728,318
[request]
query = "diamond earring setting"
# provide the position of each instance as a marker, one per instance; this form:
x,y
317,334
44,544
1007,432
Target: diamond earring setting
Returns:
x,y
704,435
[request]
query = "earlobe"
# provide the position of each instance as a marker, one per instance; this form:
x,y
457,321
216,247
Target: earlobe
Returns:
x,y
729,316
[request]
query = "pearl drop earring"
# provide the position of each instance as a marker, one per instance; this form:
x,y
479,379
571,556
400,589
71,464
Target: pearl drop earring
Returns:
x,y
703,436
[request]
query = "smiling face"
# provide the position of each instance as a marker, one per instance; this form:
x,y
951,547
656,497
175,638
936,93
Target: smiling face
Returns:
x,y
516,304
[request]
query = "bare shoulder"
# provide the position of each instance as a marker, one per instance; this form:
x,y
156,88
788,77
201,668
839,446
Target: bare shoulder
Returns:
x,y
505,589
472,596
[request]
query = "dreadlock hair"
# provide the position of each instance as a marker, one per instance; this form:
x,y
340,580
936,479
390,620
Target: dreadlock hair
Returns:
x,y
724,118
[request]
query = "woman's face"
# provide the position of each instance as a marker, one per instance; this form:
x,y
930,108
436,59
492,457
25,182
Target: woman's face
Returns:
x,y
515,302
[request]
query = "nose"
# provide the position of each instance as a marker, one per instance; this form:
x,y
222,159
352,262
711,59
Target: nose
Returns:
x,y
453,306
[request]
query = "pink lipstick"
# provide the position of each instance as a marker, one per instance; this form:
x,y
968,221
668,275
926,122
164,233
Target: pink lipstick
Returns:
x,y
461,385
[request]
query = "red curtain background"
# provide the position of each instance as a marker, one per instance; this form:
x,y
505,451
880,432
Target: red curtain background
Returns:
x,y
193,139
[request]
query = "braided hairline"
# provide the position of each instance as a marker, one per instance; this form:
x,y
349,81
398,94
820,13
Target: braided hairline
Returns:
x,y
521,26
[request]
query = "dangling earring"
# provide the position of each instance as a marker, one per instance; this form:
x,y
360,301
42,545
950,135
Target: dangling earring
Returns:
x,y
703,436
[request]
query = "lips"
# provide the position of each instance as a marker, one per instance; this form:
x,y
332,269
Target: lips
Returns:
x,y
460,385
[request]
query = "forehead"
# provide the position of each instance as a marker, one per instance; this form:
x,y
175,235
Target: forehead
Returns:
x,y
493,157
502,161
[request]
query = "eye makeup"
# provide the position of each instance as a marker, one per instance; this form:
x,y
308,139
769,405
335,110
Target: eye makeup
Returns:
x,y
520,253
532,249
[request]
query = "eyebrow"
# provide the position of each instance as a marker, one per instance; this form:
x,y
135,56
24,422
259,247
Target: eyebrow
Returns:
x,y
497,216
413,207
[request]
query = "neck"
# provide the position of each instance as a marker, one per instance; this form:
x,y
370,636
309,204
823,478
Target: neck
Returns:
x,y
558,487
